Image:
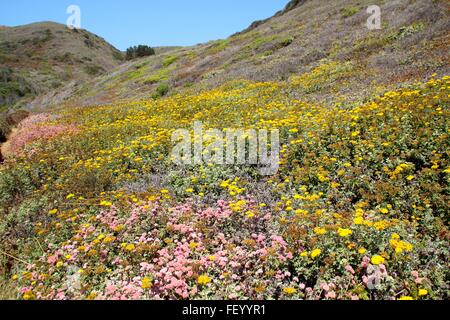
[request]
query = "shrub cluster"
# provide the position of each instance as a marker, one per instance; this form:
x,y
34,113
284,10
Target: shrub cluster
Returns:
x,y
139,52
358,210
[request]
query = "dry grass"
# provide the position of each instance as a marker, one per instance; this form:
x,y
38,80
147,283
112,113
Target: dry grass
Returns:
x,y
7,290
291,43
44,56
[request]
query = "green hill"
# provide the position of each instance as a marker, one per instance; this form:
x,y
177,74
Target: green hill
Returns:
x,y
40,57
94,205
412,45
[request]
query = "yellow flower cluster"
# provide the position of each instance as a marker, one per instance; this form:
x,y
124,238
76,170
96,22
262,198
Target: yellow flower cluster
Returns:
x,y
398,245
203,280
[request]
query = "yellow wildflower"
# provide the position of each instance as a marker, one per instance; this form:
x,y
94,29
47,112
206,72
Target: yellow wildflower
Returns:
x,y
423,292
29,295
376,260
315,253
203,280
105,203
289,290
250,214
146,283
358,220
344,232
320,231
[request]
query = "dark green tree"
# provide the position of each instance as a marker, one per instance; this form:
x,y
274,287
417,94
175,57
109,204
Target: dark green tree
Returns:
x,y
139,52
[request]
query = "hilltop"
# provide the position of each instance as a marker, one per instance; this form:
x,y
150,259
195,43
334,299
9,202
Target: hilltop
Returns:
x,y
329,36
40,57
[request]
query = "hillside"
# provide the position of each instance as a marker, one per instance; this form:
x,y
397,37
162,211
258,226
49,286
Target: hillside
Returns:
x,y
41,57
412,45
99,201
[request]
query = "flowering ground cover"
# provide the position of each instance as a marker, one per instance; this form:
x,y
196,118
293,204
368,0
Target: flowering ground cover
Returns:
x,y
92,206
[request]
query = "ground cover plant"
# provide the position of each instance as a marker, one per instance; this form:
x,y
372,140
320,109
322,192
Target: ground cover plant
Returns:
x,y
92,206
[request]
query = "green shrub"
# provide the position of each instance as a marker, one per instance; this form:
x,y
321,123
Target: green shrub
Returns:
x,y
407,31
258,42
219,46
169,60
6,188
349,11
139,52
12,86
117,55
94,70
161,90
161,75
286,42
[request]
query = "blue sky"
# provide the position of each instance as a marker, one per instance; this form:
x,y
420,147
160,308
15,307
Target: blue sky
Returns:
x,y
154,22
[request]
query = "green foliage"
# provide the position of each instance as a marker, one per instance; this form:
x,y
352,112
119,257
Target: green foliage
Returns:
x,y
139,52
286,41
117,55
323,76
13,185
372,43
356,184
12,86
169,60
407,31
94,70
161,75
258,42
349,11
219,46
161,90
13,89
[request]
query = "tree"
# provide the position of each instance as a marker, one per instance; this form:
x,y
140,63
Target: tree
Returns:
x,y
139,52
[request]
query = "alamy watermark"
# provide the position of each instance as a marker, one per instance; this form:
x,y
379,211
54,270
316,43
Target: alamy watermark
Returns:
x,y
374,21
227,147
74,20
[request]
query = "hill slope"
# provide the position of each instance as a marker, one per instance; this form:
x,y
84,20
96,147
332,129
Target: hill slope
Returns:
x,y
39,57
93,205
412,45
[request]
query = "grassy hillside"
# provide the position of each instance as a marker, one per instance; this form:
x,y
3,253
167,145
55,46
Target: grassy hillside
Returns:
x,y
411,46
40,57
92,205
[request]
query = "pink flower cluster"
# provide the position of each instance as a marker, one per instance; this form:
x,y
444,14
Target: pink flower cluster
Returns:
x,y
33,129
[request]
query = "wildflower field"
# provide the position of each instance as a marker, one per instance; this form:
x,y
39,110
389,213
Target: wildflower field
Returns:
x,y
92,206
